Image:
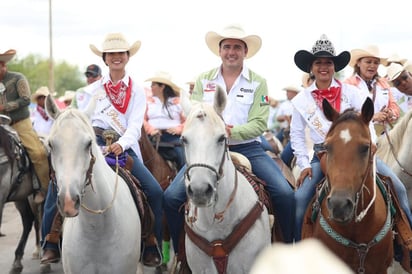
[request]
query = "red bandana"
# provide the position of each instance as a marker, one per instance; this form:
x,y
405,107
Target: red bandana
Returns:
x,y
42,112
119,94
331,94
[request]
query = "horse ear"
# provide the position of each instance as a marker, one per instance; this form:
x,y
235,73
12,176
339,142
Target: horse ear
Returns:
x,y
51,107
330,113
185,101
220,99
367,110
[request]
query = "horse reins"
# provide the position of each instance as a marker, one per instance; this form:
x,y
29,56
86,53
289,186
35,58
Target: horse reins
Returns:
x,y
89,181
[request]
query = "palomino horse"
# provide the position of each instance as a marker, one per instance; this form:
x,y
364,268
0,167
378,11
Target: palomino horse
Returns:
x,y
394,149
226,224
353,216
102,227
16,185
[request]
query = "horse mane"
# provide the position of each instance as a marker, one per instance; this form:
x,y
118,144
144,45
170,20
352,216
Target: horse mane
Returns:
x,y
6,142
395,135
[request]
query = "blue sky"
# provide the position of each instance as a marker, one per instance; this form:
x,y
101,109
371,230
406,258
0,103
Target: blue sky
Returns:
x,y
172,32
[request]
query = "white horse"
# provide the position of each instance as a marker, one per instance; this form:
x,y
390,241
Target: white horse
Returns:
x,y
395,150
220,238
102,226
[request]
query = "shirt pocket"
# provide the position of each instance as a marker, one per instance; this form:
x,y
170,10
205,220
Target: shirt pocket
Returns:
x,y
245,98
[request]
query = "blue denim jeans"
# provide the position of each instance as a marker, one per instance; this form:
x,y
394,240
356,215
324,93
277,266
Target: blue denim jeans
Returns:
x,y
287,154
151,188
281,194
400,189
49,211
304,194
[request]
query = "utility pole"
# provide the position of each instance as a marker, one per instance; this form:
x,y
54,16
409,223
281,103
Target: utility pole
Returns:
x,y
51,65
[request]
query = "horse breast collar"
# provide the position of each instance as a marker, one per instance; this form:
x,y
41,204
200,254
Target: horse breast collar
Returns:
x,y
362,248
219,250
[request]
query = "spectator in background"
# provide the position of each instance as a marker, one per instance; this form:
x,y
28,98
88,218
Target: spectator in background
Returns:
x,y
68,97
164,117
401,78
40,120
93,73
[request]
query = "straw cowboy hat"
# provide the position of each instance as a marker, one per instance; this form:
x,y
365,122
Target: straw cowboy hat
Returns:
x,y
253,42
116,42
291,88
7,56
164,78
368,51
42,91
322,48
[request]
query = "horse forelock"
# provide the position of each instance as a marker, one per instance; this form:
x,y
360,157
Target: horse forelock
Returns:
x,y
68,118
348,115
203,112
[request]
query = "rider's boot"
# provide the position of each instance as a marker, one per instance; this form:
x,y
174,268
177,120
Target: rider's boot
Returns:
x,y
51,255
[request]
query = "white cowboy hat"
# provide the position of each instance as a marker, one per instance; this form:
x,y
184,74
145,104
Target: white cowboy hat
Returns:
x,y
116,42
7,56
322,48
253,42
394,70
68,96
164,78
368,51
395,58
42,91
291,88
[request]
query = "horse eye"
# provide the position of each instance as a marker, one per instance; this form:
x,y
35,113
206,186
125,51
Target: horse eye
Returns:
x,y
364,149
221,139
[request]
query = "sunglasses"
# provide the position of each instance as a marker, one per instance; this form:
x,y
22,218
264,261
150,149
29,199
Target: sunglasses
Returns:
x,y
88,75
403,77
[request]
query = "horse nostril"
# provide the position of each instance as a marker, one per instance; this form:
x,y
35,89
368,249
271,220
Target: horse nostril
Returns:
x,y
77,202
209,191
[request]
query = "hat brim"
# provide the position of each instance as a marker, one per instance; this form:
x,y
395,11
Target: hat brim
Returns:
x,y
7,56
253,42
357,54
304,59
132,50
166,82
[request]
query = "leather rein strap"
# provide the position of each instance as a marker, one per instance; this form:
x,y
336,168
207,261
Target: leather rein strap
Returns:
x,y
219,249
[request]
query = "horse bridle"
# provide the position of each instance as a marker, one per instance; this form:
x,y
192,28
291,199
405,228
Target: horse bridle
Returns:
x,y
359,193
219,174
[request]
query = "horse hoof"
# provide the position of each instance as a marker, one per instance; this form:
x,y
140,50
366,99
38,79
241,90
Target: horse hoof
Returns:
x,y
2,235
45,268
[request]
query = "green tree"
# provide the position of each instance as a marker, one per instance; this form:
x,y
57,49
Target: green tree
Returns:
x,y
36,69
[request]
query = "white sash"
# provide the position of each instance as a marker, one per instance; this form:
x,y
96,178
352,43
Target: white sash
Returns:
x,y
114,118
316,120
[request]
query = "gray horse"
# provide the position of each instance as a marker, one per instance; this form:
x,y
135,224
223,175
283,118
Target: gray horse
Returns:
x,y
16,186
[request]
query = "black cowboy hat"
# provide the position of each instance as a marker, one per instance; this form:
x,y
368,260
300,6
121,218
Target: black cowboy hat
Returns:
x,y
322,48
